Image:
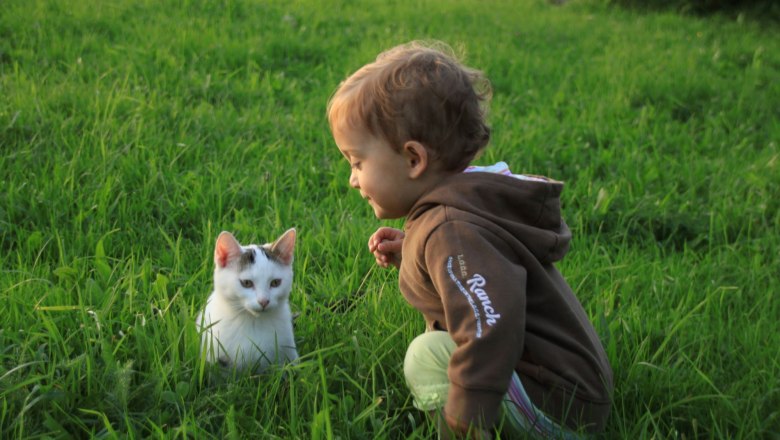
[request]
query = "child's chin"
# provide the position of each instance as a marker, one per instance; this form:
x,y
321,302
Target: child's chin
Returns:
x,y
383,215
378,212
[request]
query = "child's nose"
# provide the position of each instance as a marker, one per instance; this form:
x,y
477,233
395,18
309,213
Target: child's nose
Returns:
x,y
353,181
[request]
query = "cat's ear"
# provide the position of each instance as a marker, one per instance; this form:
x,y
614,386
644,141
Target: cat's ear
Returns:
x,y
284,246
226,250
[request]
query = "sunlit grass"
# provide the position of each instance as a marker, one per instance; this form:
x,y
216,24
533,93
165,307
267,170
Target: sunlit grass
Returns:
x,y
132,133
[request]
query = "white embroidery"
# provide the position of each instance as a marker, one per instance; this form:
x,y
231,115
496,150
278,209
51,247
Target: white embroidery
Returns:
x,y
476,284
467,295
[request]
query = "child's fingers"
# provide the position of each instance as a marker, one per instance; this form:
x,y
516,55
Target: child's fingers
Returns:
x,y
384,260
389,247
384,233
385,244
380,256
374,241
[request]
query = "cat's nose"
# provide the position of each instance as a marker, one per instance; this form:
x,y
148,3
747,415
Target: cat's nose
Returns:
x,y
263,303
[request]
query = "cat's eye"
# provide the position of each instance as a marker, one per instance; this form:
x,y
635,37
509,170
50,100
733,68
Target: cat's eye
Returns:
x,y
276,282
247,284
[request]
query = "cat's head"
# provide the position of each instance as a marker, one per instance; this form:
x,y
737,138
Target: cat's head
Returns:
x,y
255,278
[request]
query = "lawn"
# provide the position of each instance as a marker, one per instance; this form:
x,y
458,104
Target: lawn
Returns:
x,y
133,132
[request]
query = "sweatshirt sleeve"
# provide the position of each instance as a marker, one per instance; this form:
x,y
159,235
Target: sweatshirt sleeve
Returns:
x,y
483,294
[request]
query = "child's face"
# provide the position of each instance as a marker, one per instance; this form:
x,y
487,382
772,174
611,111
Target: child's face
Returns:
x,y
380,173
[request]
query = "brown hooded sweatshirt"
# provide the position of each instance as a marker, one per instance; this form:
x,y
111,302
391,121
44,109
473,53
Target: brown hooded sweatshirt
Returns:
x,y
478,263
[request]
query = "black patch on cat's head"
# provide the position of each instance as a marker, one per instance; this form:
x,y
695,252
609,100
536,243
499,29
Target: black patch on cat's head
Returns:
x,y
270,255
247,258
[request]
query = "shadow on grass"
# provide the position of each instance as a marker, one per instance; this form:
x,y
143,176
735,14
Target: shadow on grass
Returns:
x,y
764,12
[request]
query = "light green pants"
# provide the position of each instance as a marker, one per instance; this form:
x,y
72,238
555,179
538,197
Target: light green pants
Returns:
x,y
425,369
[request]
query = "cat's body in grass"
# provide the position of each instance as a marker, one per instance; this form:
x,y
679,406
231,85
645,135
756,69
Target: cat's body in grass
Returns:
x,y
247,322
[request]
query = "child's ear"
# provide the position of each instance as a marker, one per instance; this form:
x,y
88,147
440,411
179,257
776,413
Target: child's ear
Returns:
x,y
416,156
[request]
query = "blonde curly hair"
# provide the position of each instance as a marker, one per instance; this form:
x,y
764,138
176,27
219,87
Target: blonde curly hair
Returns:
x,y
418,91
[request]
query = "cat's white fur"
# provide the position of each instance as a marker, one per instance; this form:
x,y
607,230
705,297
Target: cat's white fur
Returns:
x,y
247,320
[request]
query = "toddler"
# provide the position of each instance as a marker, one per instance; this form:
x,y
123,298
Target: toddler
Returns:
x,y
508,345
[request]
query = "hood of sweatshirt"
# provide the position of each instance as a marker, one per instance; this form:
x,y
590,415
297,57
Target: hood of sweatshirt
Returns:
x,y
529,209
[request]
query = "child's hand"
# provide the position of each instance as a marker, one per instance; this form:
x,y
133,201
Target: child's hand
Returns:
x,y
385,244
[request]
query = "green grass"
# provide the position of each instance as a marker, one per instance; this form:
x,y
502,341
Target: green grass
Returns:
x,y
131,133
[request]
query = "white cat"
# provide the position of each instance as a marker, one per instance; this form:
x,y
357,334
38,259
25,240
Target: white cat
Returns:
x,y
247,320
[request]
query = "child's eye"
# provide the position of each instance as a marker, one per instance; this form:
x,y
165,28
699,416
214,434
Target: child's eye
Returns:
x,y
356,165
247,284
276,282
